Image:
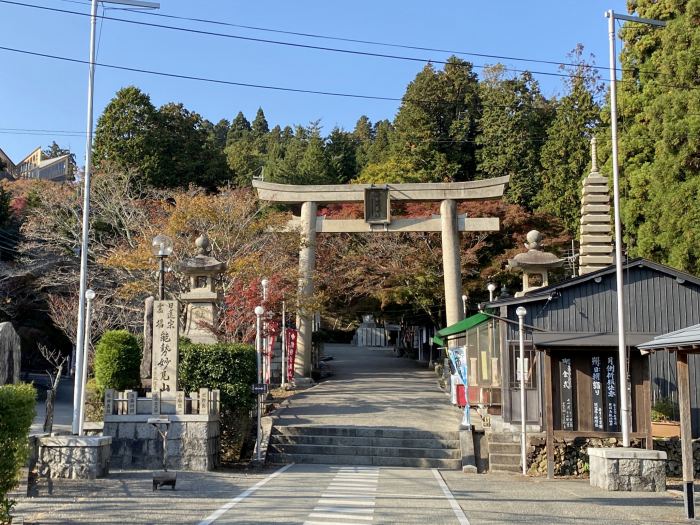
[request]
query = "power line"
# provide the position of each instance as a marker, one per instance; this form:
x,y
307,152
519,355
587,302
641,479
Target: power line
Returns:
x,y
304,46
200,79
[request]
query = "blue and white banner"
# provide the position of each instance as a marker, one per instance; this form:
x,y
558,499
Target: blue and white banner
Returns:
x,y
458,357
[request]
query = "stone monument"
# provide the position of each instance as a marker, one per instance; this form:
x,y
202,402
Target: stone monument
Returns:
x,y
201,301
10,354
534,263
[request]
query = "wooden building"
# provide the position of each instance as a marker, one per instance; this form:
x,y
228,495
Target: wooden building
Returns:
x,y
571,348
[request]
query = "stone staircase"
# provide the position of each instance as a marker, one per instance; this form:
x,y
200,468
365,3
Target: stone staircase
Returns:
x,y
390,447
504,452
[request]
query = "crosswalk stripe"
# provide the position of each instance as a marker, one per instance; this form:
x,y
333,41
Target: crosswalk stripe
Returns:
x,y
340,516
332,508
330,501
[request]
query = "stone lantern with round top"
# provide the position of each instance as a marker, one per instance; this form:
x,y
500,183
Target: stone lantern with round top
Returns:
x,y
202,299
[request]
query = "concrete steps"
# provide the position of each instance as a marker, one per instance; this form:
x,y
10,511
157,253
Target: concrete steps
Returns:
x,y
504,453
394,447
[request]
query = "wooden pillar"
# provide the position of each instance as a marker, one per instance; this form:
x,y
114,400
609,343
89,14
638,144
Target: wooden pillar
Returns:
x,y
451,262
307,263
549,413
686,433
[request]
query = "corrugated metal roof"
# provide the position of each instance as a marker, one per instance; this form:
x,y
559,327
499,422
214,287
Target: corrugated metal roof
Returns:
x,y
683,337
461,326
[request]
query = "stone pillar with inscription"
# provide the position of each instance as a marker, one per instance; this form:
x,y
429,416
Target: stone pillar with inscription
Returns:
x,y
202,300
165,353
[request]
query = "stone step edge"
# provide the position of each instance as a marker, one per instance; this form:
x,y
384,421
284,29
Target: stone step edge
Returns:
x,y
448,444
437,461
399,433
423,453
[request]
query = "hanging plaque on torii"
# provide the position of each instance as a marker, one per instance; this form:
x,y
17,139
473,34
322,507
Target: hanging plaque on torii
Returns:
x,y
377,203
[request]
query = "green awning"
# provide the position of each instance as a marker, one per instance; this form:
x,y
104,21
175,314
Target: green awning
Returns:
x,y
462,326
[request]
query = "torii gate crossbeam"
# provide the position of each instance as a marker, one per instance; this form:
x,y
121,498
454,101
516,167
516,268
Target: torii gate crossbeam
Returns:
x,y
448,223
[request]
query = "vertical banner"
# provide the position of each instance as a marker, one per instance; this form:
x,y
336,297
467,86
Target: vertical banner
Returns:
x,y
291,352
611,395
566,387
597,393
458,356
165,334
269,352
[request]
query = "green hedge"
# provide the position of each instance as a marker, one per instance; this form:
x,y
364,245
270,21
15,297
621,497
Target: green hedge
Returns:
x,y
16,415
117,361
229,367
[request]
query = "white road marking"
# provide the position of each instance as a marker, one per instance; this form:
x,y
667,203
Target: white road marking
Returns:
x,y
331,523
243,495
331,508
328,501
353,495
459,513
340,516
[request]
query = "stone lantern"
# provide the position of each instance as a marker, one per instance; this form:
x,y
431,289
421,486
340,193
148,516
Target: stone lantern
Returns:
x,y
202,299
534,263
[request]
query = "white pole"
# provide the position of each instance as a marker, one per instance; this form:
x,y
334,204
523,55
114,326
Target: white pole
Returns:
x,y
622,350
89,296
284,344
523,410
259,311
80,335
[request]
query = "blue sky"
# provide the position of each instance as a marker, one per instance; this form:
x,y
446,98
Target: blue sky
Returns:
x,y
45,94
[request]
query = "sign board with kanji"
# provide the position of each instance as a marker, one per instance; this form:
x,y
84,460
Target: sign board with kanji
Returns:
x,y
377,206
165,351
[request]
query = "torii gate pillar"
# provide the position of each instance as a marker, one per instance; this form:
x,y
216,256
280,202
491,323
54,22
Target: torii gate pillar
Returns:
x,y
307,263
451,262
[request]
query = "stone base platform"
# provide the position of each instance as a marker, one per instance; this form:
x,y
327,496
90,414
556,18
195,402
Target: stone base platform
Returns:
x,y
193,442
628,469
74,457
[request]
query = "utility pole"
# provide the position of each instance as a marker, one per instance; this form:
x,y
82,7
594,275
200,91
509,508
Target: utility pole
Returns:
x,y
80,335
626,419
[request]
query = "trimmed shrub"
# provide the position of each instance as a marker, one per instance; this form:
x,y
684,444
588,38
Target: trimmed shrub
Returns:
x,y
16,415
117,361
229,367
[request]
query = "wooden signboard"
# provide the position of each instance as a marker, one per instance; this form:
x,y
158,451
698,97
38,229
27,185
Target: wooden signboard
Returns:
x,y
611,395
165,356
566,386
597,403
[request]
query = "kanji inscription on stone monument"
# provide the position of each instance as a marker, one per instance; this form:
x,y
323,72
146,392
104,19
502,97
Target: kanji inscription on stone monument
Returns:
x,y
165,333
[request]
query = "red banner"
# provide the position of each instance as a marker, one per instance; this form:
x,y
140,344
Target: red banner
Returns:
x,y
291,352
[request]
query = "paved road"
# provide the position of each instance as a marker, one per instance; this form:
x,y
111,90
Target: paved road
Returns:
x,y
371,387
328,495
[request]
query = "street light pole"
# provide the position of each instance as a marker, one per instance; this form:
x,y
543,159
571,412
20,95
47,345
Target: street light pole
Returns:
x,y
80,332
89,296
523,409
259,311
622,348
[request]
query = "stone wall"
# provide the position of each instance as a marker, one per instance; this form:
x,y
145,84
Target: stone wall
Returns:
x,y
192,441
628,469
74,457
570,456
672,447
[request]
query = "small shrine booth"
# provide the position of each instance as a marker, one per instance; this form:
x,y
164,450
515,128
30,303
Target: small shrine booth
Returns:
x,y
571,337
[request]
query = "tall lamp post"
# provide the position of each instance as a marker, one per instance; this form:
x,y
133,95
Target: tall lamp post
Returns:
x,y
264,283
162,247
259,311
80,335
491,287
626,419
520,312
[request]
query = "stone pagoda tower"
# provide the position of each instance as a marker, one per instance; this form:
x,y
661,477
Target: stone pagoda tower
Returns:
x,y
201,302
596,249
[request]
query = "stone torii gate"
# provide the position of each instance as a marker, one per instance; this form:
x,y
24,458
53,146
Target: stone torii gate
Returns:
x,y
377,201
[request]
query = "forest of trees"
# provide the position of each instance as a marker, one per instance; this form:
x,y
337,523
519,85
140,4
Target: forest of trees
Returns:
x,y
170,170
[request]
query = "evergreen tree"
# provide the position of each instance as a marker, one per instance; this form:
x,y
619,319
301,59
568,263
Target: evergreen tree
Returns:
x,y
125,135
566,157
658,106
341,150
511,129
240,128
260,126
